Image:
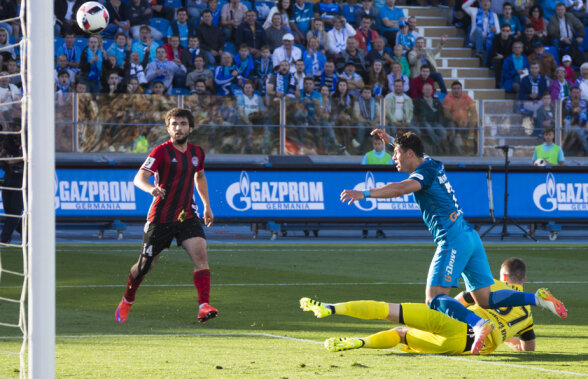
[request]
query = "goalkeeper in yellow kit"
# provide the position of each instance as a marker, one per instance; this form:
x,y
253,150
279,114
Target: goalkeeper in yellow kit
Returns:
x,y
432,332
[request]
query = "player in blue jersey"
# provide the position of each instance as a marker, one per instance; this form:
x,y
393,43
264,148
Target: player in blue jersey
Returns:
x,y
459,247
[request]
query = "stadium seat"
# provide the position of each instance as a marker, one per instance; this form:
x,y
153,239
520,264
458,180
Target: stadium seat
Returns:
x,y
348,11
81,42
57,42
107,42
160,24
585,42
174,3
246,3
553,51
301,47
263,8
179,91
230,47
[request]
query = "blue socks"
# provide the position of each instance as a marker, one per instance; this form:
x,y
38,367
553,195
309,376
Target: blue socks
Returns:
x,y
510,298
454,309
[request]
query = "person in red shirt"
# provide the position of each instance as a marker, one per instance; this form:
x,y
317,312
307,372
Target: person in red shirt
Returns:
x,y
416,84
177,165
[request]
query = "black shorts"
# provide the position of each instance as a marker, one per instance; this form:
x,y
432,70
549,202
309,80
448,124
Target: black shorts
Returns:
x,y
157,237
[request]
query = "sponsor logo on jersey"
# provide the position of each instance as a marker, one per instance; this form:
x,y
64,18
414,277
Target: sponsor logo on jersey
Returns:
x,y
195,161
247,194
94,195
405,202
552,196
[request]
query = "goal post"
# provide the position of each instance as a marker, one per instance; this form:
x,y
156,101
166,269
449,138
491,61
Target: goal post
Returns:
x,y
40,181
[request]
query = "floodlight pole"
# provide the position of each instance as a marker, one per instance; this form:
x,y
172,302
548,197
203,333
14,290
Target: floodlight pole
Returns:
x,y
40,117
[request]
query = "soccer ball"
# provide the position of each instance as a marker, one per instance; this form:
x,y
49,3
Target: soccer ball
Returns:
x,y
92,17
540,162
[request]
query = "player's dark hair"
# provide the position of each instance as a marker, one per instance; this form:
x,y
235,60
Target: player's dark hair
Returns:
x,y
516,269
409,140
179,112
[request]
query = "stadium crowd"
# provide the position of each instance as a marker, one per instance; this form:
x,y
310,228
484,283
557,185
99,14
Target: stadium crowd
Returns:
x,y
333,62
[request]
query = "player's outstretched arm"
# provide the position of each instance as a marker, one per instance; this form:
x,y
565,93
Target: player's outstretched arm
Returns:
x,y
142,181
389,190
202,188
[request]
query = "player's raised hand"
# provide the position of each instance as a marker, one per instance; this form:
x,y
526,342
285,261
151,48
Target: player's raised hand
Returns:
x,y
349,196
382,134
208,217
158,191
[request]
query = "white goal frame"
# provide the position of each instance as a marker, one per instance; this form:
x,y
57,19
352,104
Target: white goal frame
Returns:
x,y
39,154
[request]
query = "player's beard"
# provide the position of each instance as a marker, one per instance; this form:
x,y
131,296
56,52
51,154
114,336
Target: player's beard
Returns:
x,y
181,141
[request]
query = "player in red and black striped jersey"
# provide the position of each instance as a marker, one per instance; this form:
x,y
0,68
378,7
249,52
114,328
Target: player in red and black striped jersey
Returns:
x,y
177,166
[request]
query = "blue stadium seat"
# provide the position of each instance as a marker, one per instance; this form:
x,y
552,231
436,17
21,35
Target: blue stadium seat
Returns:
x,y
301,47
230,47
81,42
107,42
553,51
179,91
247,3
348,11
160,24
57,42
585,42
173,3
263,8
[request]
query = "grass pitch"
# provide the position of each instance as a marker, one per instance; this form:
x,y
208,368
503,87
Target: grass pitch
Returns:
x,y
260,331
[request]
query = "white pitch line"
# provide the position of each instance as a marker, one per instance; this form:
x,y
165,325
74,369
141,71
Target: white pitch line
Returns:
x,y
268,335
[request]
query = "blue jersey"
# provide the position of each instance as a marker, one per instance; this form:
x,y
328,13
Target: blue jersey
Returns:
x,y
437,202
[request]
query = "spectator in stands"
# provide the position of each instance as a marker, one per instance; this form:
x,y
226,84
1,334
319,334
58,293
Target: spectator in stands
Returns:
x,y
342,107
366,114
210,36
134,68
412,28
582,81
158,88
566,63
575,123
145,45
560,87
416,84
354,80
549,151
175,51
302,14
232,15
63,83
113,86
529,39
546,61
163,70
329,77
62,66
390,15
353,55
397,74
275,33
251,33
513,67
521,9
538,22
109,66
317,29
501,48
226,76
282,83
195,8
404,38
215,11
485,25
81,87
508,18
91,63
188,54
287,52
548,8
120,49
338,36
377,80
200,72
367,10
263,68
284,9
380,53
365,35
399,109
118,22
65,14
578,9
566,33
244,62
133,87
314,60
160,10
71,52
327,10
5,49
428,112
545,115
139,14
310,100
420,56
200,88
181,27
460,111
13,69
532,86
300,74
250,108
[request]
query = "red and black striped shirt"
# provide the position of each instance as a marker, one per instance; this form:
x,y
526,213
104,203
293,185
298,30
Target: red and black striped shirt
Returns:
x,y
174,171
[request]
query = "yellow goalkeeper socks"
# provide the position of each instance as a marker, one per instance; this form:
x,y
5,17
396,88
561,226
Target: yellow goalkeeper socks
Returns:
x,y
363,309
382,340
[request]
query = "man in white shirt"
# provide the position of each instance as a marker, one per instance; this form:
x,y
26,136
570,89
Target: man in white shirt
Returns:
x,y
565,29
485,25
287,52
399,109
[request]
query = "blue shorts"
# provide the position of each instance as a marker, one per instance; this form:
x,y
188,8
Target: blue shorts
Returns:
x,y
462,256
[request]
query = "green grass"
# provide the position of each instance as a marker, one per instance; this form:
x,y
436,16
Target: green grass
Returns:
x,y
261,332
